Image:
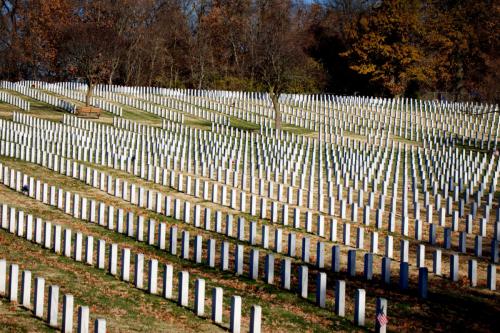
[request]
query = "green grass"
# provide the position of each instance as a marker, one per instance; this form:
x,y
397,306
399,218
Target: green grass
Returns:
x,y
139,115
297,130
475,149
15,318
36,107
197,122
243,124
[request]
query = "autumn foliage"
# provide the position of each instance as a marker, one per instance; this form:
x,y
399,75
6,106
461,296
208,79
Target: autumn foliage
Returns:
x,y
386,48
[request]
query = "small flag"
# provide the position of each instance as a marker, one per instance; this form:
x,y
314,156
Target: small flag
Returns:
x,y
382,319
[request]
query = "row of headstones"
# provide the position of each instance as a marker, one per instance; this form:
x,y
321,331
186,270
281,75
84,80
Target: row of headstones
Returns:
x,y
226,261
436,163
52,239
84,157
331,126
80,209
450,201
229,97
320,230
457,183
103,104
149,176
130,225
347,114
41,96
10,288
443,179
217,299
68,124
447,125
466,177
334,155
251,115
443,212
448,209
235,177
394,107
14,100
365,150
138,226
157,179
450,123
56,89
478,243
438,131
335,127
34,191
79,96
78,120
170,129
225,107
107,106
346,179
432,122
55,165
265,239
161,111
262,135
406,128
38,128
124,129
312,104
484,136
254,114
173,119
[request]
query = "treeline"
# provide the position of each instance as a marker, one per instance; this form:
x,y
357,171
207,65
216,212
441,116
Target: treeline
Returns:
x,y
383,48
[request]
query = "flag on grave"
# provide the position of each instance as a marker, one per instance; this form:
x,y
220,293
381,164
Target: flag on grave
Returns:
x,y
382,318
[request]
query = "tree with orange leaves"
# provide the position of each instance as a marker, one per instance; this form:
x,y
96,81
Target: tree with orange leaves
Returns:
x,y
385,46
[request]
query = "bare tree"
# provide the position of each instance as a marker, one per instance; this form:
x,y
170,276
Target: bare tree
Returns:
x,y
280,61
85,53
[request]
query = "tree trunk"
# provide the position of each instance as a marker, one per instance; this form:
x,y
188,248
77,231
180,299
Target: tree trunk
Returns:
x,y
90,91
277,111
152,64
202,73
111,74
171,74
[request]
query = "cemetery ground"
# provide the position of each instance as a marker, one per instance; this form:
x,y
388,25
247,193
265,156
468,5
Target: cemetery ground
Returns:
x,y
448,305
